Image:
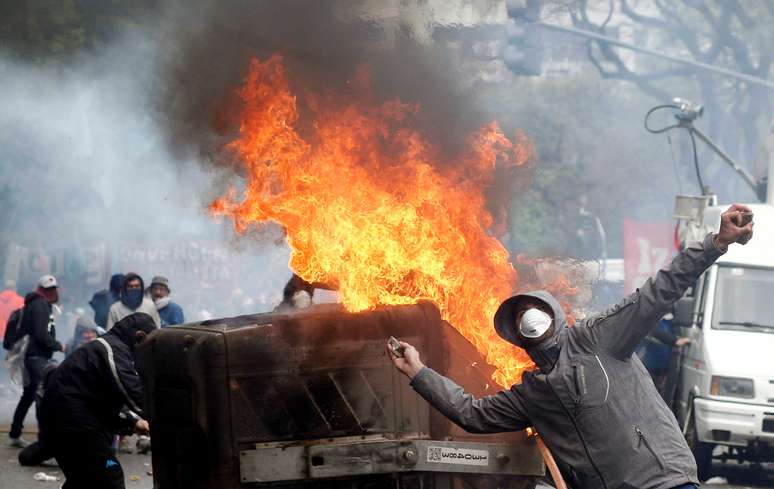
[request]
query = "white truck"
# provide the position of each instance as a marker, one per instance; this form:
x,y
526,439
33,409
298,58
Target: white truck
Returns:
x,y
725,391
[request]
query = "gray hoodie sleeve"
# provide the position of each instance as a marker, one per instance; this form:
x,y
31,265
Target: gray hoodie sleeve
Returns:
x,y
492,414
621,328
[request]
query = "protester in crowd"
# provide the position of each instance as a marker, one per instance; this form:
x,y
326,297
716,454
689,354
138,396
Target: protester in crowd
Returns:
x,y
590,398
85,330
104,299
38,324
656,351
132,299
93,395
169,312
299,294
9,302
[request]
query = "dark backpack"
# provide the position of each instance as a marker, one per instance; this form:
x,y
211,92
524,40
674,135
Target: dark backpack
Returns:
x,y
13,329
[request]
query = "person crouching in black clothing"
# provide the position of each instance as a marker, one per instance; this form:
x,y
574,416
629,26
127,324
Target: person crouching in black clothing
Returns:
x,y
92,396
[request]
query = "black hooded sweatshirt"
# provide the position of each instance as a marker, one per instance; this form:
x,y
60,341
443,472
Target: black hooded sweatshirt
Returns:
x,y
38,323
92,389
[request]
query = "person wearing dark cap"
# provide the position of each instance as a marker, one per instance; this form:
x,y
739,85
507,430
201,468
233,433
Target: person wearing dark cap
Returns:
x,y
133,299
589,397
102,300
93,395
37,324
169,312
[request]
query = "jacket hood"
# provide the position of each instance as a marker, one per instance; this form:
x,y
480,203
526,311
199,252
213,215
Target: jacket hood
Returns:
x,y
128,278
85,322
505,317
116,284
33,296
126,328
132,299
544,354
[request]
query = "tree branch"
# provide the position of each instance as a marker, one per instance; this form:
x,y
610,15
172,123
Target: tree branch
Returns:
x,y
718,21
642,19
607,19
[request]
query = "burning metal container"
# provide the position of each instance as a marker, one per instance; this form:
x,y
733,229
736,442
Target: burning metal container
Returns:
x,y
310,399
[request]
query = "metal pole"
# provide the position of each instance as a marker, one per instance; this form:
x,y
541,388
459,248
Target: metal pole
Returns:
x,y
738,169
770,193
696,64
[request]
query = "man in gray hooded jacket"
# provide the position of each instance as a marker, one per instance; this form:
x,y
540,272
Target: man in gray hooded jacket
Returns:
x,y
590,398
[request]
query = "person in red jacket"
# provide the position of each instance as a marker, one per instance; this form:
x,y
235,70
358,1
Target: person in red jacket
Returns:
x,y
9,302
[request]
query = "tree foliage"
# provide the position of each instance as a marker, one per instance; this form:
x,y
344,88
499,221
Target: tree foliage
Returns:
x,y
593,158
731,34
51,29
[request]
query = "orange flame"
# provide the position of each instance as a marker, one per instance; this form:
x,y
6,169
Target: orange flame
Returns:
x,y
366,205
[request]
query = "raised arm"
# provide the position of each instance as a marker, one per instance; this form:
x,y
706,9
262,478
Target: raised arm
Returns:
x,y
621,328
492,414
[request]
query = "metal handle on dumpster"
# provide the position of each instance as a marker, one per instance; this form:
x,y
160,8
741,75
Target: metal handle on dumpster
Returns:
x,y
553,469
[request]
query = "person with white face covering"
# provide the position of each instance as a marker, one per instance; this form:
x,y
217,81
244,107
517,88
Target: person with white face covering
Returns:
x,y
589,397
169,312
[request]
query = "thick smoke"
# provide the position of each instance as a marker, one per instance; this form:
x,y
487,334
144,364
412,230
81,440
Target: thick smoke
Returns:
x,y
207,54
115,152
95,187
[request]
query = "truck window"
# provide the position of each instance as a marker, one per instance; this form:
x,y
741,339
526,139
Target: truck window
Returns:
x,y
701,297
743,299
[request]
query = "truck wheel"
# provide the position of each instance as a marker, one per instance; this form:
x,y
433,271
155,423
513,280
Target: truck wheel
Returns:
x,y
702,451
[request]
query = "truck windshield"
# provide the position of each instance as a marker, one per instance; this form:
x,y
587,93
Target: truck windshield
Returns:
x,y
743,299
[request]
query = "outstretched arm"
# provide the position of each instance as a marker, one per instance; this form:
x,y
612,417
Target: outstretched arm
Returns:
x,y
492,414
623,327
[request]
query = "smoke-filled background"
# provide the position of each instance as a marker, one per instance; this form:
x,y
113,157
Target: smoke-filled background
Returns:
x,y
114,117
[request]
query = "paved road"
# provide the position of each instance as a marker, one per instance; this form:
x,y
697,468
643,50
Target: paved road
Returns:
x,y
14,476
136,467
742,476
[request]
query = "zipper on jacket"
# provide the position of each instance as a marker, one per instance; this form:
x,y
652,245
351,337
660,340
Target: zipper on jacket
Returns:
x,y
644,441
580,385
580,435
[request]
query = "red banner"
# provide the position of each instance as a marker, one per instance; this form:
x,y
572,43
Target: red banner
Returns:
x,y
648,247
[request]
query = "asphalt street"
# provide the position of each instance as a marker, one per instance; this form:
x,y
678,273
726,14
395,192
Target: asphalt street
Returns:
x,y
137,468
14,476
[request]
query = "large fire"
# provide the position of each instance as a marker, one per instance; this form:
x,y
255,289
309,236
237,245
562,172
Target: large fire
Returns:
x,y
367,204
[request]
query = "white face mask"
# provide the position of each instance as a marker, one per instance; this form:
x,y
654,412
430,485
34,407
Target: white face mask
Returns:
x,y
534,323
162,302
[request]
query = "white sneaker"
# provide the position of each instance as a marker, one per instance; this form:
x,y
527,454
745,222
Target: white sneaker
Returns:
x,y
18,442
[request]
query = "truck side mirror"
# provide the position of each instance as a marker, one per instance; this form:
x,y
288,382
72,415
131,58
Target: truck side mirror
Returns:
x,y
684,312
